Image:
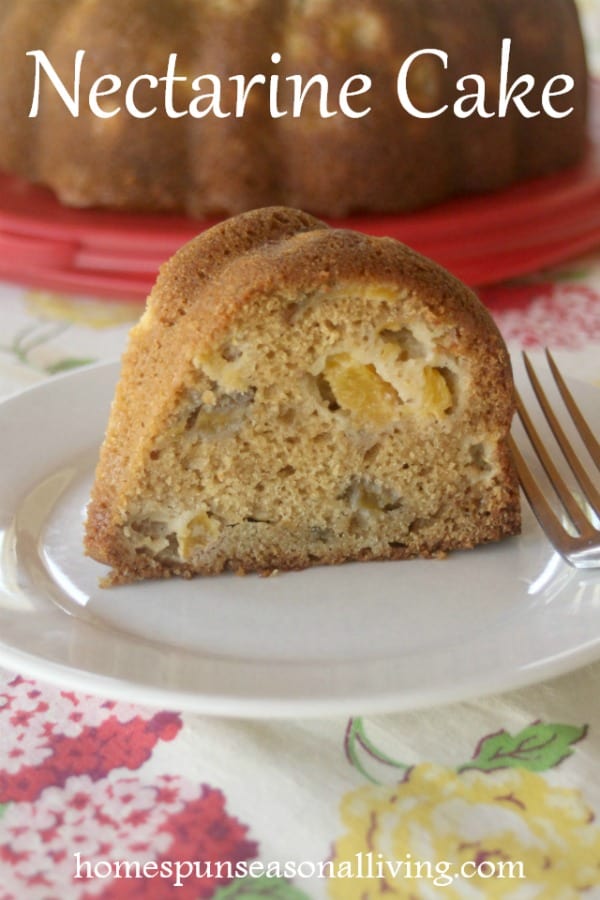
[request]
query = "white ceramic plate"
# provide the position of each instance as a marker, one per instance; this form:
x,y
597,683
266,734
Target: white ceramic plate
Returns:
x,y
362,637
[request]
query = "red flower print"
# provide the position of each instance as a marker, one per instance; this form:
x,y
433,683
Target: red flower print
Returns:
x,y
45,738
546,315
169,822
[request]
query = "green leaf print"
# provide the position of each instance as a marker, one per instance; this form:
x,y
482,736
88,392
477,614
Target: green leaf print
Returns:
x,y
65,365
264,888
356,740
3,808
570,274
538,747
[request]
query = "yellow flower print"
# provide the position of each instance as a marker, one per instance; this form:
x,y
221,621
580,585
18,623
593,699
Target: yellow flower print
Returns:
x,y
79,311
438,821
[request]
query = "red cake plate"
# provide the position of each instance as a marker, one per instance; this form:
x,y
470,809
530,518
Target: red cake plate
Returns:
x,y
483,239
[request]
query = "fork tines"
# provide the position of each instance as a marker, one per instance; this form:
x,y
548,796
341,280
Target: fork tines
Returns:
x,y
582,549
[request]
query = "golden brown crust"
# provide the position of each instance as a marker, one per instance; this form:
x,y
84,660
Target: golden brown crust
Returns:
x,y
385,161
144,393
255,268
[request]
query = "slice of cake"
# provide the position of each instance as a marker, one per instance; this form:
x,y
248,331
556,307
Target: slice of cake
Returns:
x,y
296,395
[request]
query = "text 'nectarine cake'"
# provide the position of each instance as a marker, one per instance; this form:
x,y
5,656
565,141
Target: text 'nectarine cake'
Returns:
x,y
296,395
192,105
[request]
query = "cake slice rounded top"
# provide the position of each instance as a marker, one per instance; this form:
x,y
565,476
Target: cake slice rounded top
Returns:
x,y
275,303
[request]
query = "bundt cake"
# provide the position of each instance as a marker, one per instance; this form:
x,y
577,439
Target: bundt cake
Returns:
x,y
322,160
295,395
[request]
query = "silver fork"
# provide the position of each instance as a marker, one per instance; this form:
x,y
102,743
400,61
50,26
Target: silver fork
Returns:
x,y
582,549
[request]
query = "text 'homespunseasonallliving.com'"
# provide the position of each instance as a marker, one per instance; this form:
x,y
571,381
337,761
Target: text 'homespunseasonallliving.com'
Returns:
x,y
442,873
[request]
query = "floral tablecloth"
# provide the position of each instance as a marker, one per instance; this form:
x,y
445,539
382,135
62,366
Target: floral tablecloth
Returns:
x,y
497,797
491,798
